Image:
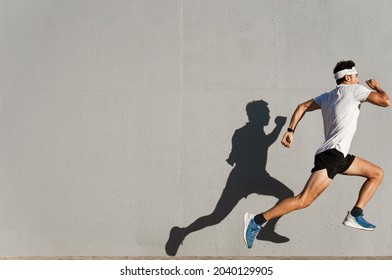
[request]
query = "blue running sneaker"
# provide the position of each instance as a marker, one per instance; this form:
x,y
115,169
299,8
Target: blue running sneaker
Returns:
x,y
251,229
357,222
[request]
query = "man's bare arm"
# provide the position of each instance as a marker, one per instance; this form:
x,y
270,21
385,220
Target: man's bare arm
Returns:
x,y
299,112
377,97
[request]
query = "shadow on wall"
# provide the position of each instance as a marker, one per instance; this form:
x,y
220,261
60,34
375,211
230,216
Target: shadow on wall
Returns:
x,y
249,176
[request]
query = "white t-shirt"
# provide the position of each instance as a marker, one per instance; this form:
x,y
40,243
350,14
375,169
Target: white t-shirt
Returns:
x,y
340,110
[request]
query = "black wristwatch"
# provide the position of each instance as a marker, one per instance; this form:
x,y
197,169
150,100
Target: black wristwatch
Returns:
x,y
290,130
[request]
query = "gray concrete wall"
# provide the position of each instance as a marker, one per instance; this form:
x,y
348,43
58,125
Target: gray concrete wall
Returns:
x,y
116,119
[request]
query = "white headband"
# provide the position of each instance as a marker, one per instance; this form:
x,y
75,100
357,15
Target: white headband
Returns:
x,y
342,73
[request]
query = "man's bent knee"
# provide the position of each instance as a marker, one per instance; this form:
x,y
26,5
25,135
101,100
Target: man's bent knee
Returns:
x,y
378,174
304,202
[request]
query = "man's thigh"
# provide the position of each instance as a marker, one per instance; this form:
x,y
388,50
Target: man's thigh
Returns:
x,y
361,167
316,184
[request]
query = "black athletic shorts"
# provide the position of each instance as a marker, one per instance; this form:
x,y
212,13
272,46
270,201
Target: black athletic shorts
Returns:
x,y
332,160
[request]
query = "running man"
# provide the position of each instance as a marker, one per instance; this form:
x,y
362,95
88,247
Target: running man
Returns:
x,y
340,110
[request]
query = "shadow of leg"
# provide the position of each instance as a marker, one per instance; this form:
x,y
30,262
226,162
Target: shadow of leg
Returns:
x,y
268,233
280,191
225,205
175,240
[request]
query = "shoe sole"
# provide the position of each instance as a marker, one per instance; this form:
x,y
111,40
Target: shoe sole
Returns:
x,y
353,225
246,224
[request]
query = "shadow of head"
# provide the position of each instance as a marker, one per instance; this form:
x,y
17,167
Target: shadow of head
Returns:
x,y
258,112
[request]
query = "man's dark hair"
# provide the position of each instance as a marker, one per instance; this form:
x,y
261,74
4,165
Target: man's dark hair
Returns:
x,y
342,65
